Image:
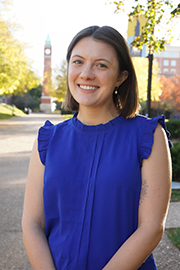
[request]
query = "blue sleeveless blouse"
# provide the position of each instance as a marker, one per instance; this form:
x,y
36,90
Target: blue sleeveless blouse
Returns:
x,y
92,184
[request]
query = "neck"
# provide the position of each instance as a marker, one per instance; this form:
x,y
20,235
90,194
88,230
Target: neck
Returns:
x,y
95,116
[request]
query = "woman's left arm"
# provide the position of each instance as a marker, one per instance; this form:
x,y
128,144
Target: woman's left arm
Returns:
x,y
153,206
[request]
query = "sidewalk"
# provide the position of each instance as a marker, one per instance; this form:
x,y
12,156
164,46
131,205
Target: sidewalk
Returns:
x,y
16,139
173,218
166,255
175,185
17,136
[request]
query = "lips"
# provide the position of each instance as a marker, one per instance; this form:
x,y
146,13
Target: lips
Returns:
x,y
88,87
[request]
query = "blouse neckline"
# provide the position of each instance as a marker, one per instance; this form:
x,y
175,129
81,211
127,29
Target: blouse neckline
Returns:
x,y
94,128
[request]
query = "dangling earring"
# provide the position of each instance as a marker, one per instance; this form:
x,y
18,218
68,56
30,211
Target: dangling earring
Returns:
x,y
115,91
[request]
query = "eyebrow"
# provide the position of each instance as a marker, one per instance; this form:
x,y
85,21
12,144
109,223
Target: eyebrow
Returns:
x,y
76,55
99,59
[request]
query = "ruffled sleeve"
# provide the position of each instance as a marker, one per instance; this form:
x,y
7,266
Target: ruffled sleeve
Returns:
x,y
148,135
44,137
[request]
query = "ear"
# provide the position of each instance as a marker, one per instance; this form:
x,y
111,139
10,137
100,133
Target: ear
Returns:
x,y
122,77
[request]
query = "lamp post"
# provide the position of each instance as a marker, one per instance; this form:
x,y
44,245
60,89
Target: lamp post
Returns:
x,y
150,67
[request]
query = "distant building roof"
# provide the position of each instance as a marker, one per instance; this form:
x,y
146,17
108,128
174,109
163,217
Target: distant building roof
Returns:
x,y
48,41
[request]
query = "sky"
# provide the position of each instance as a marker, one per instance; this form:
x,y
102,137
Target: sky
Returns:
x,y
61,19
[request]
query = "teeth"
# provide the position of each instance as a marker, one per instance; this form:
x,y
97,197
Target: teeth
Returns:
x,y
87,87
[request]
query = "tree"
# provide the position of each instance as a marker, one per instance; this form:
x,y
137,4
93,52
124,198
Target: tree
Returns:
x,y
5,5
16,73
169,100
157,14
141,68
31,99
58,84
170,92
36,92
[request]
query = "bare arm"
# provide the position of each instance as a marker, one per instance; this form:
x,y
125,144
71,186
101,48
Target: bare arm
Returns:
x,y
33,227
155,194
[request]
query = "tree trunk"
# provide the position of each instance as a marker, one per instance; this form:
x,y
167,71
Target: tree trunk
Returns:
x,y
148,104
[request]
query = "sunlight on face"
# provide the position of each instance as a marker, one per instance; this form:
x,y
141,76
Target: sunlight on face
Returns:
x,y
93,73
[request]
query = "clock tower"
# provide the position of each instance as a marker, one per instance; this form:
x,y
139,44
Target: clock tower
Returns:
x,y
46,100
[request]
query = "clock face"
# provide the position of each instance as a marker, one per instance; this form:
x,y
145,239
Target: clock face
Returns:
x,y
47,51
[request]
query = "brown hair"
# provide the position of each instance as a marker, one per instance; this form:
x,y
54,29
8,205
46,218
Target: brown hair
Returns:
x,y
126,99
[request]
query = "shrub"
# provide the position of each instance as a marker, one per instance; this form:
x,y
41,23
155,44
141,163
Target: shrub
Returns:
x,y
173,126
174,235
64,111
175,154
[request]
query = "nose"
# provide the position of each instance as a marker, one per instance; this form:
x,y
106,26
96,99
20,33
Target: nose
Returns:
x,y
87,73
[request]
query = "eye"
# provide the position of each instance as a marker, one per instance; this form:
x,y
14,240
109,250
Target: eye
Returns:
x,y
102,66
77,62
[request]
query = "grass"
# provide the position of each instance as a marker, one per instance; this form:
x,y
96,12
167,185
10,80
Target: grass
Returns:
x,y
174,233
174,236
67,116
8,111
175,195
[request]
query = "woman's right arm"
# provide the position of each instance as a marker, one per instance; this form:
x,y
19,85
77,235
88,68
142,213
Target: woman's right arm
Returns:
x,y
33,225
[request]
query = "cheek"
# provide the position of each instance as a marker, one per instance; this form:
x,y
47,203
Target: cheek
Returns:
x,y
72,75
70,79
110,80
72,82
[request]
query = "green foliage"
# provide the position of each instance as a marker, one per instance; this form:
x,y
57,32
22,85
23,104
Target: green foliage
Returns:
x,y
176,11
175,195
173,127
16,74
31,99
174,236
159,15
36,92
67,116
64,111
175,155
61,109
57,85
155,32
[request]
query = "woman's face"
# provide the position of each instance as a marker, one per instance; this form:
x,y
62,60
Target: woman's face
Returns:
x,y
93,73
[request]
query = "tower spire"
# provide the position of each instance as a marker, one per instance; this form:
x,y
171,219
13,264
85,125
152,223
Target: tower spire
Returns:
x,y
48,41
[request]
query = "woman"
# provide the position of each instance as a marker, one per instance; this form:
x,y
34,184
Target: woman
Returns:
x,y
99,184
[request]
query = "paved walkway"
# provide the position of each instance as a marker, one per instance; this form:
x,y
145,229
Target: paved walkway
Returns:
x,y
167,256
16,139
175,185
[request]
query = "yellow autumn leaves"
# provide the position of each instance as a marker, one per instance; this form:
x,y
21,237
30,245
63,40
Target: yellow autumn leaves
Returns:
x,y
141,68
16,73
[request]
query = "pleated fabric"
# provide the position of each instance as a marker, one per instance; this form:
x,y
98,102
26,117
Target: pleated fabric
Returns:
x,y
92,184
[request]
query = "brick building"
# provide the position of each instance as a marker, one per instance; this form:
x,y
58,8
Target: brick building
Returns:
x,y
169,60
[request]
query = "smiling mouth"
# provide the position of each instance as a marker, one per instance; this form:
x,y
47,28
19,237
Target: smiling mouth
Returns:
x,y
88,87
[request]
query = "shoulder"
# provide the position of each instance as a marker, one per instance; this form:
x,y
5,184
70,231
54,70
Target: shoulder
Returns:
x,y
49,127
46,134
153,134
149,125
135,125
136,121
